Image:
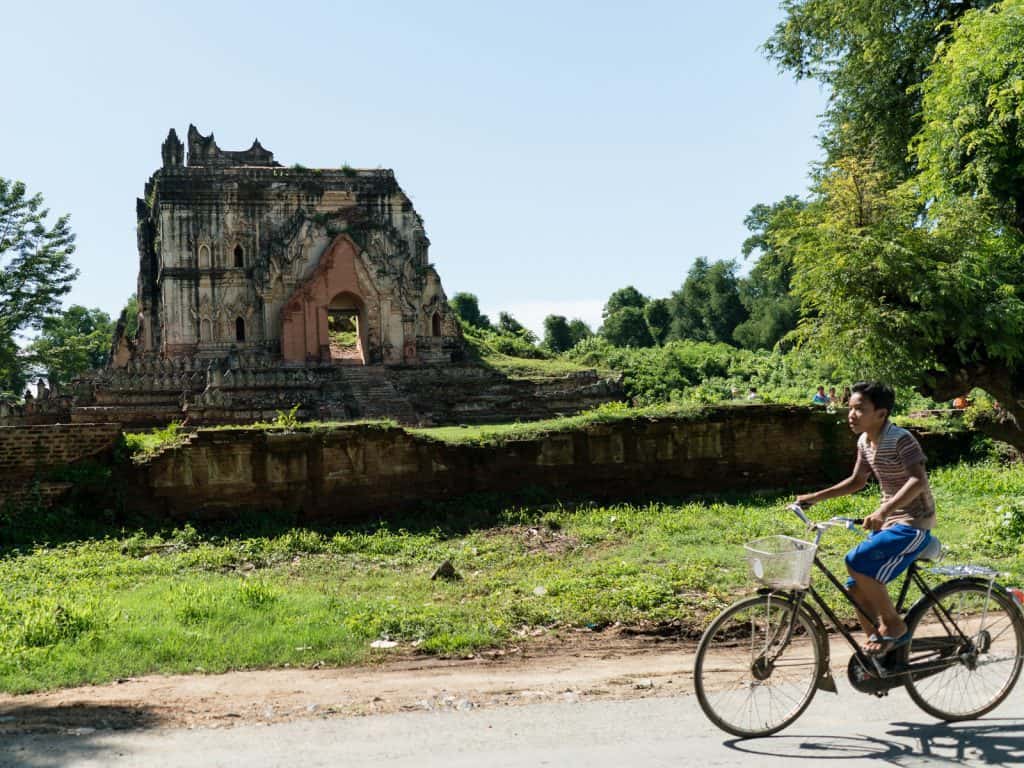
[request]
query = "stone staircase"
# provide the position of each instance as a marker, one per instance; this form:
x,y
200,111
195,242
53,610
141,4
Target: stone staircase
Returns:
x,y
366,392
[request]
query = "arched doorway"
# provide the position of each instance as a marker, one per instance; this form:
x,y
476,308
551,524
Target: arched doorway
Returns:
x,y
346,328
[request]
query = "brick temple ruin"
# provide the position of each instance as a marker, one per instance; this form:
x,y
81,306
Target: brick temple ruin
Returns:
x,y
263,287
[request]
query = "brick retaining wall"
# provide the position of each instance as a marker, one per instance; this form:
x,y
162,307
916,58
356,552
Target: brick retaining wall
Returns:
x,y
26,450
354,471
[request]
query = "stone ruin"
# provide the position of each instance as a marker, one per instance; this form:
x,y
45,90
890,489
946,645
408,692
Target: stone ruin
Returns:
x,y
263,287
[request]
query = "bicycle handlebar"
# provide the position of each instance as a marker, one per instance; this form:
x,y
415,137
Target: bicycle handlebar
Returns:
x,y
846,522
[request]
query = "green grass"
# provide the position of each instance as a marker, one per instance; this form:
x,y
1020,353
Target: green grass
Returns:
x,y
144,445
136,603
533,368
496,434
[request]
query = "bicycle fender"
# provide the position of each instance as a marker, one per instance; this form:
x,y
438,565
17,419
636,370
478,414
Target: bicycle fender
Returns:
x,y
825,680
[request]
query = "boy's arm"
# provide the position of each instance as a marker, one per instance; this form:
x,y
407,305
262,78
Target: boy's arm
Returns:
x,y
916,483
857,480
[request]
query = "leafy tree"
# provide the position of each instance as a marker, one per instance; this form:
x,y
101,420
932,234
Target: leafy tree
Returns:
x,y
870,54
707,307
130,315
622,298
512,327
627,328
71,343
579,331
14,372
972,140
557,336
766,293
508,324
35,271
658,316
467,307
919,275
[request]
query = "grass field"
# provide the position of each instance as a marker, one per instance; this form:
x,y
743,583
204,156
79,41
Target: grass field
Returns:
x,y
133,603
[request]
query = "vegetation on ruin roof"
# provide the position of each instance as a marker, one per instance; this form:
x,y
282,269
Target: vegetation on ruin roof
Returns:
x,y
608,413
144,446
262,591
517,358
275,427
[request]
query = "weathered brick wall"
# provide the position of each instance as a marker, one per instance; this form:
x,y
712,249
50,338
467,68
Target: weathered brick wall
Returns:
x,y
26,451
360,470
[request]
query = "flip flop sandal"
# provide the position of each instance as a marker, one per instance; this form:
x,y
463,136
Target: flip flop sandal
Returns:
x,y
888,643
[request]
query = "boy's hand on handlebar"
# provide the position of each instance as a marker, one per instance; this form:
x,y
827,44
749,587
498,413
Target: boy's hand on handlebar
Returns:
x,y
874,521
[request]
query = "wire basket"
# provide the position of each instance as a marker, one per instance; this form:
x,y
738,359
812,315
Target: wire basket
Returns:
x,y
781,562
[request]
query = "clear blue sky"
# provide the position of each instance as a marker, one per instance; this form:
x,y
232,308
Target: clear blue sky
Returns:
x,y
557,151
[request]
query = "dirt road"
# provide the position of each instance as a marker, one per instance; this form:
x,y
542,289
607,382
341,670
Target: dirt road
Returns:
x,y
574,667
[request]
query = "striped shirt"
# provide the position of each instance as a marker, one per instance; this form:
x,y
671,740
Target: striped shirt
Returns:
x,y
896,451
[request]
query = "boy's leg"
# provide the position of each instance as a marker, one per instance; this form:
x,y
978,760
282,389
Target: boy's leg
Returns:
x,y
872,563
874,597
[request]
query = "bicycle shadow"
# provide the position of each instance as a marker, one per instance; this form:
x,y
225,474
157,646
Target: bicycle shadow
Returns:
x,y
991,742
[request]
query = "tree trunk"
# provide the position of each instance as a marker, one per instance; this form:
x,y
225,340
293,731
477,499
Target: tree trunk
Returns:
x,y
1006,385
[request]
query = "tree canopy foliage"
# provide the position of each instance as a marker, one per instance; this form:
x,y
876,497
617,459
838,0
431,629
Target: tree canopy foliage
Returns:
x,y
35,271
557,335
71,343
870,54
909,255
972,139
627,327
707,307
623,298
467,307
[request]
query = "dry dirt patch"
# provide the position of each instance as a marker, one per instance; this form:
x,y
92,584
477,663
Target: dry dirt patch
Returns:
x,y
574,666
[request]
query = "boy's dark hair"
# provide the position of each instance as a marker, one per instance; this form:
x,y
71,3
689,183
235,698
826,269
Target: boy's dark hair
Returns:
x,y
880,395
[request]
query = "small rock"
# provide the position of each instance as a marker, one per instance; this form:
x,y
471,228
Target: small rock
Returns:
x,y
643,685
268,713
464,706
383,644
312,707
446,571
540,591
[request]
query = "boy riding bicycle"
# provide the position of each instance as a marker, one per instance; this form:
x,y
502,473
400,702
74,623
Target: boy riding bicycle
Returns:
x,y
900,527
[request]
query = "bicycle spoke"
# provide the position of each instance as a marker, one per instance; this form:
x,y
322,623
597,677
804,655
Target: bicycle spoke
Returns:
x,y
983,647
756,667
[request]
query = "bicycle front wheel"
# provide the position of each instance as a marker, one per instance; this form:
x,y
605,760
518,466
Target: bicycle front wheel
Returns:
x,y
757,666
970,640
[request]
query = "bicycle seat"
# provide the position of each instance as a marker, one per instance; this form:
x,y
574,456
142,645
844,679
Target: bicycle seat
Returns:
x,y
932,551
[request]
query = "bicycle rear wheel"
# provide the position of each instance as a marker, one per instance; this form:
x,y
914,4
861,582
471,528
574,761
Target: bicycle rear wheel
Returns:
x,y
753,676
971,674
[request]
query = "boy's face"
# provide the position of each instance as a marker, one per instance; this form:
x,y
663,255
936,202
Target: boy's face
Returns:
x,y
863,416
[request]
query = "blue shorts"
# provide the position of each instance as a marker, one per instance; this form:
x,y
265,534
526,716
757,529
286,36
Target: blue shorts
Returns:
x,y
886,554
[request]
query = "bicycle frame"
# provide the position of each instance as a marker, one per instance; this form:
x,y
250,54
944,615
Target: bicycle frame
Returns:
x,y
912,575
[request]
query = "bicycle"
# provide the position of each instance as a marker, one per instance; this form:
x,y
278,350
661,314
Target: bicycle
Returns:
x,y
761,661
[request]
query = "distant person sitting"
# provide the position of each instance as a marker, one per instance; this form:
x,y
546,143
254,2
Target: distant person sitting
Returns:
x,y
833,398
820,398
845,400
